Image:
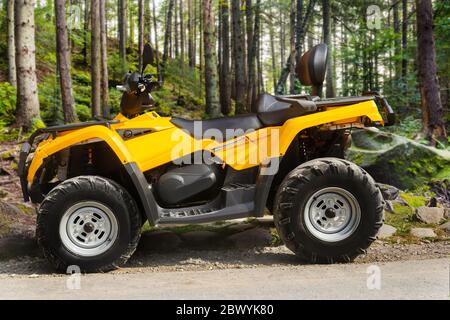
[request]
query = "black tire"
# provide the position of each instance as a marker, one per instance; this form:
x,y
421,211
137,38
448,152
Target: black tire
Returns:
x,y
302,184
78,190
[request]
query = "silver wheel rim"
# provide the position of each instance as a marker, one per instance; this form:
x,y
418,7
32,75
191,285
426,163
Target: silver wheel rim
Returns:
x,y
88,229
332,214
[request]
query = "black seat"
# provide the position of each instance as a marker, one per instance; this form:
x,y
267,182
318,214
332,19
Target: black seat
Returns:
x,y
228,127
268,103
278,118
270,112
276,110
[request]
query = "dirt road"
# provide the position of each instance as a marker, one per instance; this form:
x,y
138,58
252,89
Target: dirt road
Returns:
x,y
412,279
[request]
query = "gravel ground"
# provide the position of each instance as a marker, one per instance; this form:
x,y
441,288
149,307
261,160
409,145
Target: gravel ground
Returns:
x,y
201,260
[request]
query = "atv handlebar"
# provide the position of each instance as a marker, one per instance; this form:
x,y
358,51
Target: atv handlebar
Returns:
x,y
135,83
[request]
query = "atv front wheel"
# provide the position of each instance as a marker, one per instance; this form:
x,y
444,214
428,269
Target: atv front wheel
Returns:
x,y
90,222
328,210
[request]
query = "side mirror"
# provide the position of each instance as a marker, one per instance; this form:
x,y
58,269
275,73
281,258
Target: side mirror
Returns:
x,y
148,56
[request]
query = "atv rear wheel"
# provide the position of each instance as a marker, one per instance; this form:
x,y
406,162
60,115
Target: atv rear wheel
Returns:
x,y
90,222
328,210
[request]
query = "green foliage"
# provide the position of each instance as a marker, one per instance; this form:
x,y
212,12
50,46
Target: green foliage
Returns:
x,y
7,104
50,101
413,200
83,112
182,93
408,126
442,34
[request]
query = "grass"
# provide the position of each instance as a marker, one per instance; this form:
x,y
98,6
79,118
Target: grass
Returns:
x,y
414,201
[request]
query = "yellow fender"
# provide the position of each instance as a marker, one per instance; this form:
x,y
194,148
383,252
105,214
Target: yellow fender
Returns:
x,y
51,147
294,126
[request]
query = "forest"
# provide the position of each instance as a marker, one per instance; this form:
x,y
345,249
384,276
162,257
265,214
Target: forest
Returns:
x,y
66,57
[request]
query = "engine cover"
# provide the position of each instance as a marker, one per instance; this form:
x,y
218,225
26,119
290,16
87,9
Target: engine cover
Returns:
x,y
189,183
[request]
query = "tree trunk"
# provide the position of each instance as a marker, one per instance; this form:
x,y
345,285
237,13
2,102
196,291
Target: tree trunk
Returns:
x,y
141,31
253,52
433,122
104,60
201,42
131,15
286,70
397,49
272,51
63,61
95,59
168,32
298,26
148,22
404,40
225,98
238,52
87,20
345,70
331,91
12,72
282,39
404,49
122,24
191,36
27,108
175,30
212,98
194,34
293,55
259,54
250,55
182,32
155,29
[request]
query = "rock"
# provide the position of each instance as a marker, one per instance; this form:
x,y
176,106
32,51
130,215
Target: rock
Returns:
x,y
433,202
386,231
423,233
159,241
389,207
447,213
445,227
400,202
397,161
9,209
15,247
199,238
429,215
388,192
441,188
252,238
240,227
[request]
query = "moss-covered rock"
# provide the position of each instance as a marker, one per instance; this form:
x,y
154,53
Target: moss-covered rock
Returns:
x,y
398,161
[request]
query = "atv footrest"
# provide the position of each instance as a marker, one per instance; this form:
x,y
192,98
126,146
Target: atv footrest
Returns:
x,y
235,201
237,193
186,212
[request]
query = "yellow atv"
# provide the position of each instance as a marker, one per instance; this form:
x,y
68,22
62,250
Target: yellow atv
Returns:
x,y
98,182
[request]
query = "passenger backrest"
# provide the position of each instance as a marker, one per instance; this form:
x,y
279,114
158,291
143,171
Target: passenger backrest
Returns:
x,y
312,66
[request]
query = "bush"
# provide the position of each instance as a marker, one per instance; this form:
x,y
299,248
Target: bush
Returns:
x,y
7,104
83,112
